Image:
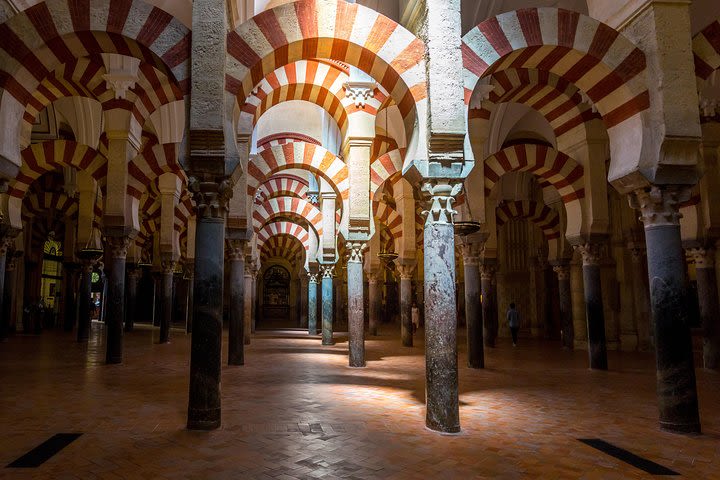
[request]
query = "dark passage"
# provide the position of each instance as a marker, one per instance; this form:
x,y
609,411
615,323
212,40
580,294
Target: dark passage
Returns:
x,y
40,454
638,462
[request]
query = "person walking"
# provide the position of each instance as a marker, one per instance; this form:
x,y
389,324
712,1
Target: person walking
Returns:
x,y
513,320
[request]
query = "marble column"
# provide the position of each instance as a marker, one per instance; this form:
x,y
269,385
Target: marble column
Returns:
x,y
566,319
441,366
166,299
677,392
247,302
303,300
356,304
236,307
115,298
133,276
9,292
640,295
709,306
189,274
405,272
594,314
5,245
375,302
473,309
312,303
84,307
489,316
211,198
327,271
254,301
71,298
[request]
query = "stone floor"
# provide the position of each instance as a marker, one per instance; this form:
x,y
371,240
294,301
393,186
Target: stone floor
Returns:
x,y
295,410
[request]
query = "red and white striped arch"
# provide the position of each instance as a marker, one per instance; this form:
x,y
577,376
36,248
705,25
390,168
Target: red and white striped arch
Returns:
x,y
547,219
706,51
152,162
388,217
283,138
551,166
287,206
38,39
282,186
284,228
282,246
383,168
40,203
337,30
303,156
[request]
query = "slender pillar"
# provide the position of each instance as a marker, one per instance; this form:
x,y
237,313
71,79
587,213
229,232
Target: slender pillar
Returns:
x,y
441,367
303,300
709,305
247,302
356,304
566,321
166,299
189,274
677,392
133,275
115,298
84,307
70,271
594,314
489,317
640,296
312,303
375,303
253,323
473,309
236,335
10,298
5,244
406,274
327,271
205,357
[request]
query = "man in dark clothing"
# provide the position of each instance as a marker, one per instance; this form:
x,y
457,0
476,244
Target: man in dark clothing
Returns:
x,y
513,320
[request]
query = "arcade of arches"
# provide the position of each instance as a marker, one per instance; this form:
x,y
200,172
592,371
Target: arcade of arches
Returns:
x,y
345,166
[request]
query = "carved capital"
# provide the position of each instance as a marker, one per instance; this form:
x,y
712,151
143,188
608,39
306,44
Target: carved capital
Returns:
x,y
590,253
637,252
189,270
235,249
660,205
562,271
360,92
168,266
134,272
327,270
406,271
211,198
373,278
314,277
703,257
354,252
440,196
118,245
470,253
313,198
487,272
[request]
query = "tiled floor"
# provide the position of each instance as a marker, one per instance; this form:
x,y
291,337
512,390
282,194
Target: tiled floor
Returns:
x,y
295,410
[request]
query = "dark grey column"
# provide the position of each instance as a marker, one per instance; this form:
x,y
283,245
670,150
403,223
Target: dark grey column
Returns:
x,y
405,272
473,308
166,299
327,303
441,367
71,297
489,317
189,274
641,307
677,392
303,299
115,298
375,302
254,301
83,332
312,303
356,305
133,275
236,328
597,348
247,302
709,305
206,353
5,244
10,293
566,318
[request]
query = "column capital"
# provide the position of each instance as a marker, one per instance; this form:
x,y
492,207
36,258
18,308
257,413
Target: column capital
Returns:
x,y
703,257
562,271
313,277
590,253
406,271
327,270
355,251
211,197
168,266
660,205
133,271
373,278
471,253
360,92
487,271
189,269
7,237
235,249
440,195
118,245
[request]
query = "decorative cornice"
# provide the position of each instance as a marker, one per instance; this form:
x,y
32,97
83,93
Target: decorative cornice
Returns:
x,y
360,92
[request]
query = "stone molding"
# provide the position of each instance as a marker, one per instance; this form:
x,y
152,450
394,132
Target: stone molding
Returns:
x,y
440,197
211,198
659,206
360,92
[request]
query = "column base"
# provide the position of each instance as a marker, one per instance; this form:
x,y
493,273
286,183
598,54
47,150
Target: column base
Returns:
x,y
681,428
328,344
113,360
203,419
454,430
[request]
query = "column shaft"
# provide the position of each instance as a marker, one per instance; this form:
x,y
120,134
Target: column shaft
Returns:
x,y
4,321
83,332
236,329
247,304
489,318
595,315
313,304
709,305
166,301
566,321
327,304
115,298
304,301
131,298
375,303
473,314
356,306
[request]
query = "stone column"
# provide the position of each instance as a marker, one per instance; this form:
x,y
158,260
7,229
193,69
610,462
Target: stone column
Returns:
x,y
356,304
473,309
566,321
594,314
254,301
640,295
166,299
677,393
303,300
247,302
312,303
70,295
406,327
5,244
115,298
375,303
489,316
84,308
9,292
236,329
327,271
189,274
133,275
211,198
441,368
709,305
